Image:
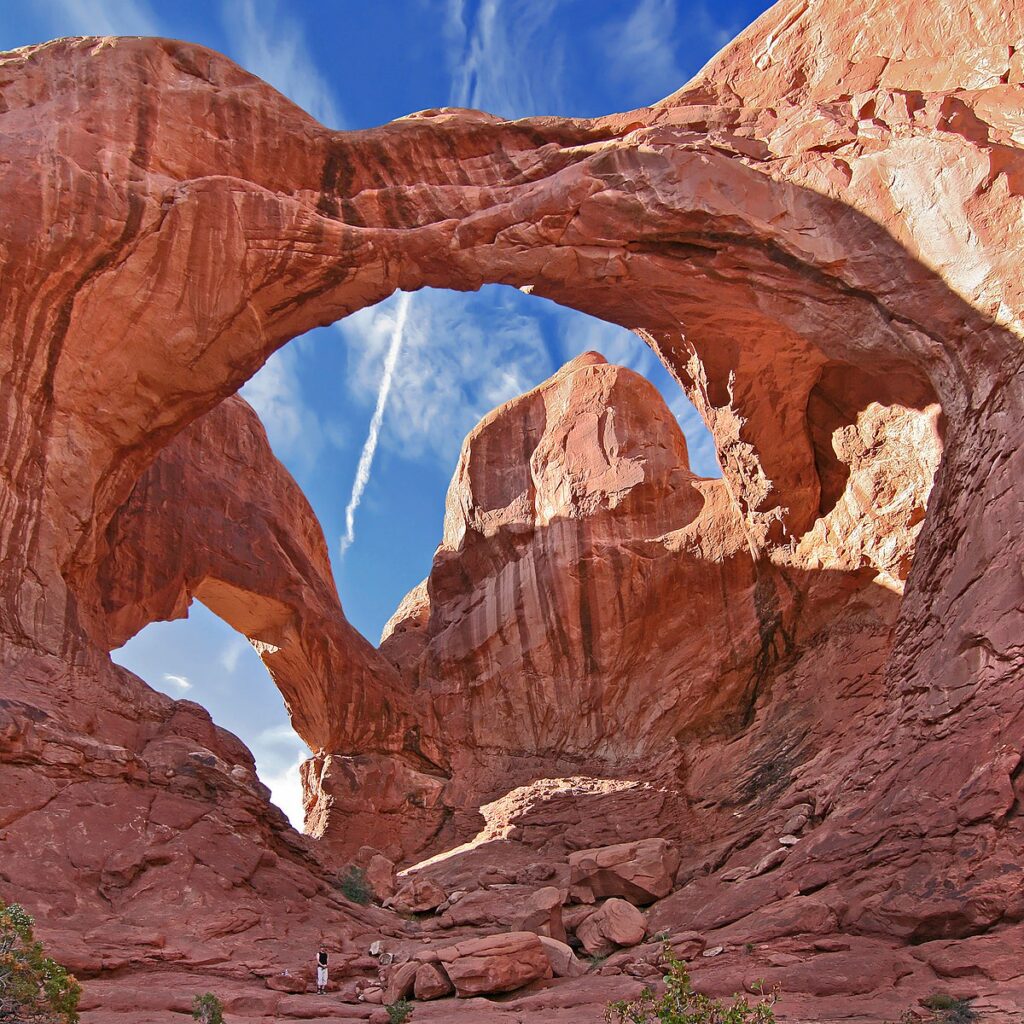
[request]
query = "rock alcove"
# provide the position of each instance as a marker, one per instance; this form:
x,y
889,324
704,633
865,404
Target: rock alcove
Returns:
x,y
780,232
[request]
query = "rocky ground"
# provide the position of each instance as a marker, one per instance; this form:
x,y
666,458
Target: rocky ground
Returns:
x,y
475,941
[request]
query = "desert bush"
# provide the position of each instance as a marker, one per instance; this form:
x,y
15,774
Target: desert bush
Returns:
x,y
33,988
681,1005
207,1009
400,1012
949,1010
352,882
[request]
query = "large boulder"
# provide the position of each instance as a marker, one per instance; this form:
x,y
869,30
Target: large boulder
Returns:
x,y
616,923
418,895
498,963
401,981
380,877
432,982
287,982
640,872
542,914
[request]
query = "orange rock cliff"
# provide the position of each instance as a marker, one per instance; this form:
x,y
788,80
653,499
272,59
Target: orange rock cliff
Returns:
x,y
774,716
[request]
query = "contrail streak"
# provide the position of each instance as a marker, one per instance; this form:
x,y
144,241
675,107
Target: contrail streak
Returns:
x,y
370,447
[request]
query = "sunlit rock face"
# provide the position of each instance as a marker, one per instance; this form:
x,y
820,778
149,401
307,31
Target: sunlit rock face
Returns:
x,y
594,607
566,522
819,236
561,534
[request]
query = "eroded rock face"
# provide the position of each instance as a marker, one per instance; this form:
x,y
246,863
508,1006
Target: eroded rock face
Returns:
x,y
555,523
819,236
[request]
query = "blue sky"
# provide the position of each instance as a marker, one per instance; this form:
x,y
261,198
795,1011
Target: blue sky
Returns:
x,y
355,65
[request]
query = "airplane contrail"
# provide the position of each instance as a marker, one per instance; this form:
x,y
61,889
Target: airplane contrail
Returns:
x,y
370,447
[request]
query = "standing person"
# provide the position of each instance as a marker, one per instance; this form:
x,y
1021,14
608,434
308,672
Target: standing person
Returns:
x,y
321,970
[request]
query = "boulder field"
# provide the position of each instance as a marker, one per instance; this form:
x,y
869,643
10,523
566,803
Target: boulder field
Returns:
x,y
771,719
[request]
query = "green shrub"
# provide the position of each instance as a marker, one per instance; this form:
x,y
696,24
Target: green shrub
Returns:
x,y
33,988
400,1012
681,1005
207,1009
949,1010
352,883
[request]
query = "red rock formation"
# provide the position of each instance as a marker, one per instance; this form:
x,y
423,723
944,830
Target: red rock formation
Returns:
x,y
501,963
819,236
218,518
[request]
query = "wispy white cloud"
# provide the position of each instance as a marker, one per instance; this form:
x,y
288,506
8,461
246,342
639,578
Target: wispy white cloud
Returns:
x,y
461,357
101,17
503,58
231,653
662,44
276,394
279,753
181,682
641,51
272,44
373,436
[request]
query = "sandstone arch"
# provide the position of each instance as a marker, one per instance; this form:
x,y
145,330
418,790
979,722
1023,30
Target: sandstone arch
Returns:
x,y
218,518
799,213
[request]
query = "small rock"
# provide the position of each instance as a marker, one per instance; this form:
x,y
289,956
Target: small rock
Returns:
x,y
831,945
291,983
769,862
687,945
795,824
535,873
713,951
